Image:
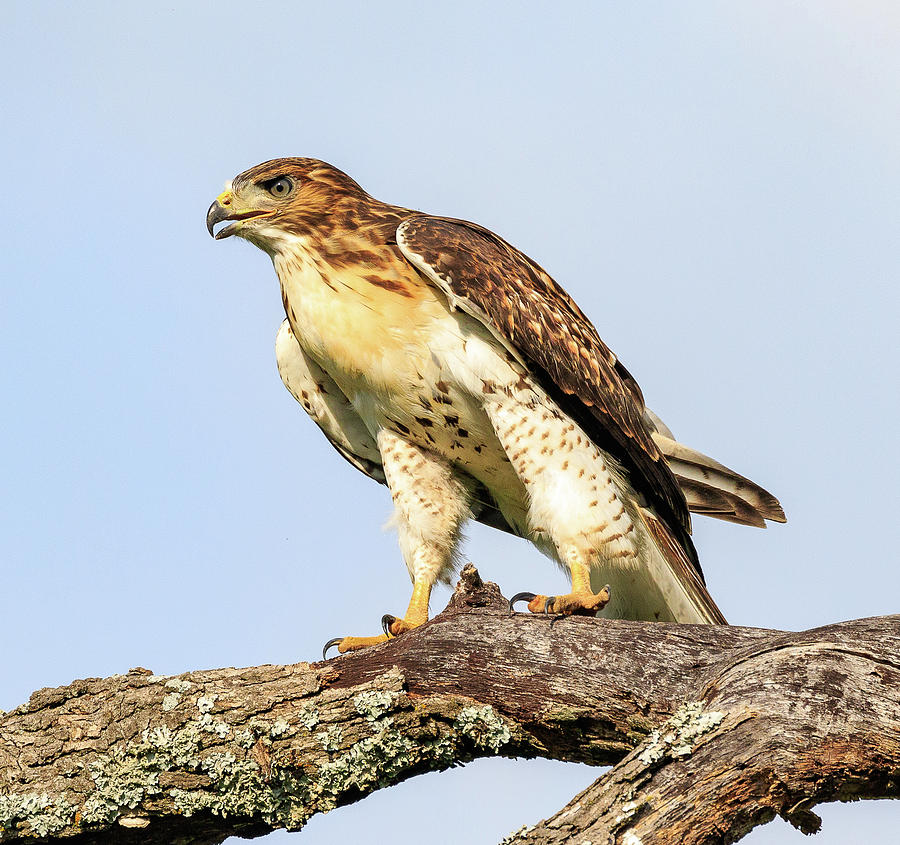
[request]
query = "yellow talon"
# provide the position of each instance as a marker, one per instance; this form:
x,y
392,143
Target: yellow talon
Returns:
x,y
416,614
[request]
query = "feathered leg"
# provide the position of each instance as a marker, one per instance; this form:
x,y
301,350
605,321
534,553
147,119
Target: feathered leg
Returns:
x,y
431,503
574,505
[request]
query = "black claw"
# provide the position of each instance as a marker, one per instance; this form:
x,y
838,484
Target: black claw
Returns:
x,y
548,605
520,597
328,645
386,621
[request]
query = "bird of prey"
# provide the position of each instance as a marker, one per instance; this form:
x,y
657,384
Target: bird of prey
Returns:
x,y
443,362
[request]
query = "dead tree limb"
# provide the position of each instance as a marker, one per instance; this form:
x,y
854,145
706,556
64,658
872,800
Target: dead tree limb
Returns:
x,y
710,730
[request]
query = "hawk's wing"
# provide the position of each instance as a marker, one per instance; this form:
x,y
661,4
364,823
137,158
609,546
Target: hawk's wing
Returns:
x,y
333,412
330,409
529,313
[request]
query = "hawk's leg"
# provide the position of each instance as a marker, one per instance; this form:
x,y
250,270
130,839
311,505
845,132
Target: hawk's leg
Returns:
x,y
431,502
573,501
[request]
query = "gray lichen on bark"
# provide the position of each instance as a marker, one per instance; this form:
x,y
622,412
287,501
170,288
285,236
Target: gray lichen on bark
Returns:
x,y
208,753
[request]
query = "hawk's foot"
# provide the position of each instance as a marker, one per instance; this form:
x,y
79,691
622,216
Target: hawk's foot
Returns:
x,y
416,614
345,644
392,626
581,603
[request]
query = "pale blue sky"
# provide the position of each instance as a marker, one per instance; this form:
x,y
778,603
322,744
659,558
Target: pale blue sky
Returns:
x,y
716,183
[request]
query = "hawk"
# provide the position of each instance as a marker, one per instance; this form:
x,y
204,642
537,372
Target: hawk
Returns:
x,y
441,361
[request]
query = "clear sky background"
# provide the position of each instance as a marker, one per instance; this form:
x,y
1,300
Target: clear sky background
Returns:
x,y
716,183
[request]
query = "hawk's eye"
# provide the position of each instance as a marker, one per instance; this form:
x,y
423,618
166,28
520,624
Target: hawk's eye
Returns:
x,y
279,187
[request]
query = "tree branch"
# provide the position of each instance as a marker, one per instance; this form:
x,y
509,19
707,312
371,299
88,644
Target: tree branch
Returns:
x,y
712,730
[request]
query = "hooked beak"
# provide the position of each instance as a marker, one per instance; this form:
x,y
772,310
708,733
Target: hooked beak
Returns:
x,y
223,209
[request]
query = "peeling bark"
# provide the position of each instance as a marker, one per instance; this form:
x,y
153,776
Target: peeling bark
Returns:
x,y
710,730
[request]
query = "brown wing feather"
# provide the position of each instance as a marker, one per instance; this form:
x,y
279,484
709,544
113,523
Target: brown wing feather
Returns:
x,y
484,275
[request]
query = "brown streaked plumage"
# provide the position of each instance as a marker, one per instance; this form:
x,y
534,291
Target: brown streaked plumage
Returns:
x,y
442,361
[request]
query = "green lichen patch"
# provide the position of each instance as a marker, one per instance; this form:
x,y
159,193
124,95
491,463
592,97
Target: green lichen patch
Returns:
x,y
308,716
681,730
332,738
627,811
262,730
280,728
392,750
371,762
639,723
239,789
484,726
373,704
207,722
39,812
220,729
128,774
231,786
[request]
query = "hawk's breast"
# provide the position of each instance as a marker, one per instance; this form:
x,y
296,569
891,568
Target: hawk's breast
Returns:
x,y
404,360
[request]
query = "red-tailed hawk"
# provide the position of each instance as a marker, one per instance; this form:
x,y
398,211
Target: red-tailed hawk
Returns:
x,y
443,362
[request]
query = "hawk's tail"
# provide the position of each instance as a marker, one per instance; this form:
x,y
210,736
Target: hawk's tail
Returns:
x,y
665,586
711,488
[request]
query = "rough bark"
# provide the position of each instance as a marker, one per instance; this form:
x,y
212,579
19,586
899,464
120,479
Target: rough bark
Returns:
x,y
710,730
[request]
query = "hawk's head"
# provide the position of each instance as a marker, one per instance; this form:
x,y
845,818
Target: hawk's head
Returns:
x,y
282,200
